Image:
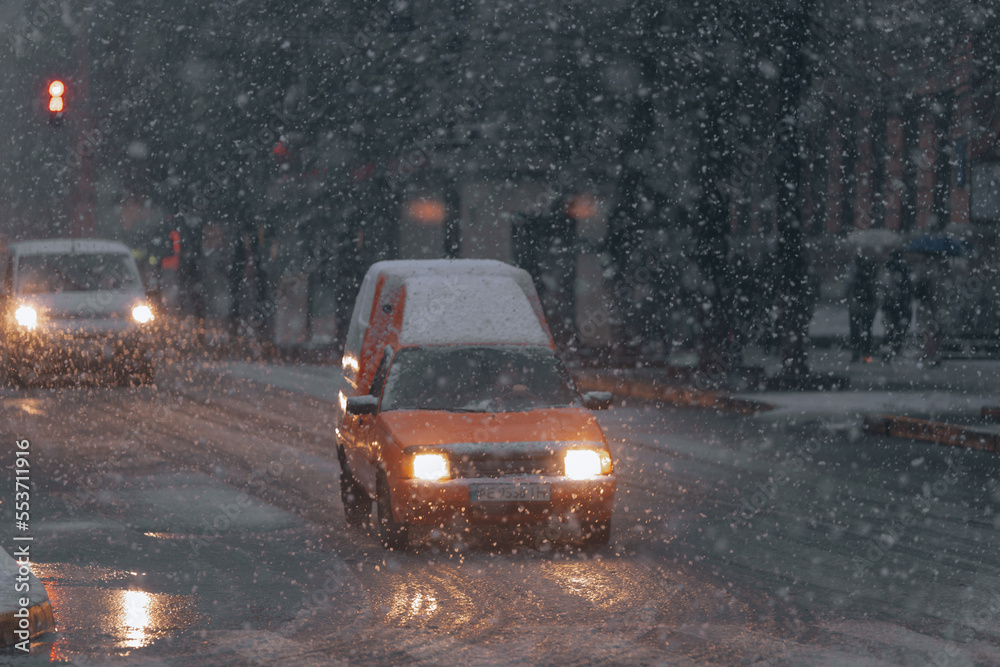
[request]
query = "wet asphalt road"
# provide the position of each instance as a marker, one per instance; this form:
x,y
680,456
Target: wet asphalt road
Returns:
x,y
198,522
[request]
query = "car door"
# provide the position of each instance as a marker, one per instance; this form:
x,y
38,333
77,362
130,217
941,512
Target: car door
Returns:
x,y
366,445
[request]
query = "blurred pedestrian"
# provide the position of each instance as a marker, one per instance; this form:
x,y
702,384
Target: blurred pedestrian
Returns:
x,y
862,302
933,290
897,306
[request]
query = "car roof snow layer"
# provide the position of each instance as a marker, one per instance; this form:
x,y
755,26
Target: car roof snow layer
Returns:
x,y
63,246
465,301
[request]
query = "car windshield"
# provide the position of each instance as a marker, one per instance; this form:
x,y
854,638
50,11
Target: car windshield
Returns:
x,y
77,272
476,379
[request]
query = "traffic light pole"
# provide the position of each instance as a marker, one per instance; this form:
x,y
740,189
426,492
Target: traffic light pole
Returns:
x,y
83,194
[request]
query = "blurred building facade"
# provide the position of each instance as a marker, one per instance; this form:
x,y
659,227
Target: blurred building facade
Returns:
x,y
924,162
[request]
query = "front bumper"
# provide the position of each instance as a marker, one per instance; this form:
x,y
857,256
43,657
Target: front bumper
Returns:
x,y
53,350
425,503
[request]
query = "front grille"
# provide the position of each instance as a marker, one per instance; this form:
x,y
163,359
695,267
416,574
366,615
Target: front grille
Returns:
x,y
495,466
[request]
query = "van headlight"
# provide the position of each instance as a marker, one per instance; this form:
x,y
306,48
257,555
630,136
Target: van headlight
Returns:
x,y
584,463
431,467
142,313
26,316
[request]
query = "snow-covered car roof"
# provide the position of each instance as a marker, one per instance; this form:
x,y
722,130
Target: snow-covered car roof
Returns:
x,y
64,246
443,302
406,268
452,301
471,309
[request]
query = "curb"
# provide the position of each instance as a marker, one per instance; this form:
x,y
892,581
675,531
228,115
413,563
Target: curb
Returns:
x,y
896,426
35,619
674,395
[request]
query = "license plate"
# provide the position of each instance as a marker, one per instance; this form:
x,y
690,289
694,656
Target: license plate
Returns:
x,y
506,492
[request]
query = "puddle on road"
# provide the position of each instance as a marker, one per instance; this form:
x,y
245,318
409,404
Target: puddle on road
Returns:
x,y
32,406
409,604
95,607
436,603
588,580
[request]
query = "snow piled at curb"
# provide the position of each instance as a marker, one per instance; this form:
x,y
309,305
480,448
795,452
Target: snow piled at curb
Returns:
x,y
25,611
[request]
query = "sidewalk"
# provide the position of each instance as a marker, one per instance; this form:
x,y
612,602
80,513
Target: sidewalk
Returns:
x,y
948,403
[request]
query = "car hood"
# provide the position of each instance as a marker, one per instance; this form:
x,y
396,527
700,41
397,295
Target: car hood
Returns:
x,y
86,305
434,427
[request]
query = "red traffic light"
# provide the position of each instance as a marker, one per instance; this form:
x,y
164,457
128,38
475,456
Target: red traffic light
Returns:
x,y
56,91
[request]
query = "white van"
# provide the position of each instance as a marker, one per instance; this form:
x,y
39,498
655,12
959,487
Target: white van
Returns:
x,y
71,306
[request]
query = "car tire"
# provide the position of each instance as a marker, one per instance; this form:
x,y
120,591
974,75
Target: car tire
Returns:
x,y
16,374
596,533
145,374
357,502
394,536
11,378
124,376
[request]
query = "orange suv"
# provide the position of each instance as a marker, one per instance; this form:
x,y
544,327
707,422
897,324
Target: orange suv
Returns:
x,y
459,407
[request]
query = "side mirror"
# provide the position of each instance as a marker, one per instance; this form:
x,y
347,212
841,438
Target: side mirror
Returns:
x,y
362,405
597,400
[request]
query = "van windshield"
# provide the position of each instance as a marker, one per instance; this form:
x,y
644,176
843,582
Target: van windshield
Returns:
x,y
476,379
77,272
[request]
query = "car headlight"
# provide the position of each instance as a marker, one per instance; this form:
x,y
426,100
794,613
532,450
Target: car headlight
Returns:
x,y
431,467
584,463
26,316
142,314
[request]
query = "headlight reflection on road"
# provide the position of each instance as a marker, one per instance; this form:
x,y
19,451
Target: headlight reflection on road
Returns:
x,y
32,406
139,618
135,614
409,604
590,582
87,602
